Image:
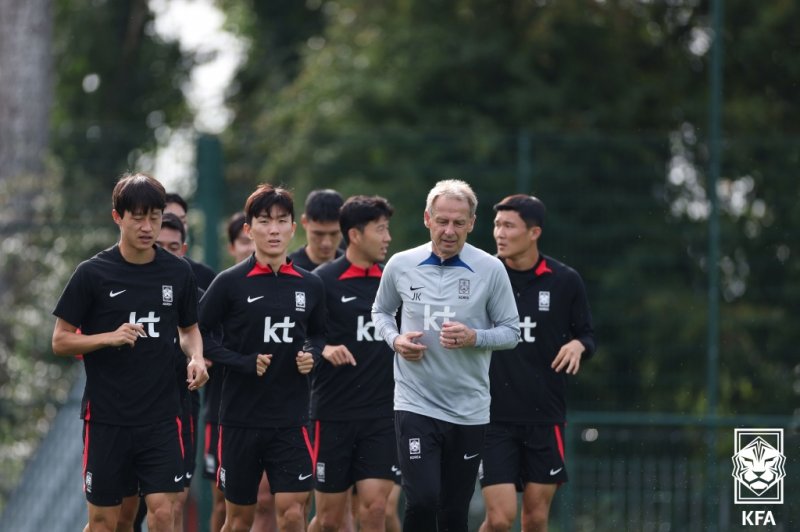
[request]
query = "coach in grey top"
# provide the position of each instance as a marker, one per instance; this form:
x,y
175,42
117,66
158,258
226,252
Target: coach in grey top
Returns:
x,y
457,307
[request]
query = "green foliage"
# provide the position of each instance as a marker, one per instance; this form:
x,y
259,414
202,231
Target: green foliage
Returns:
x,y
117,94
36,262
612,97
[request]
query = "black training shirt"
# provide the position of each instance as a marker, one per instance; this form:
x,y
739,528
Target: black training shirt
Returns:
x,y
131,385
262,311
553,309
365,390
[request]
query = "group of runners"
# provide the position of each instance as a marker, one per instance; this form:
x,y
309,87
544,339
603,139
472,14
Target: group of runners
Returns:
x,y
333,377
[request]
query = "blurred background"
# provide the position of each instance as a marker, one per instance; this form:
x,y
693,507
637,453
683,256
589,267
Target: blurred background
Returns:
x,y
663,136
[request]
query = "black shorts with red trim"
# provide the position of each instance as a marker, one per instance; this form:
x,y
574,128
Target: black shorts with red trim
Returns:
x,y
210,451
119,459
349,451
518,454
248,452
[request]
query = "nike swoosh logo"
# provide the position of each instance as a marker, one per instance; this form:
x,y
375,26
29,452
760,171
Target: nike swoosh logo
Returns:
x,y
415,287
303,477
178,478
188,475
347,299
115,294
555,471
394,469
471,456
251,299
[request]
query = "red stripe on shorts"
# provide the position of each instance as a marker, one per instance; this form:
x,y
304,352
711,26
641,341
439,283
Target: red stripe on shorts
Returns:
x,y
207,439
180,435
85,450
219,453
560,442
313,450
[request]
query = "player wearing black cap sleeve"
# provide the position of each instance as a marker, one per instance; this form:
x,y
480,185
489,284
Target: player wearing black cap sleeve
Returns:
x,y
524,442
272,316
353,387
132,302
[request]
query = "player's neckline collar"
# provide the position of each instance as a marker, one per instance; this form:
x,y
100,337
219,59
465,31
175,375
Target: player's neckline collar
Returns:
x,y
286,268
455,260
354,271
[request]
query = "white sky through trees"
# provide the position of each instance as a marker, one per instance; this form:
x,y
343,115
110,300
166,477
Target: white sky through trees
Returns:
x,y
198,26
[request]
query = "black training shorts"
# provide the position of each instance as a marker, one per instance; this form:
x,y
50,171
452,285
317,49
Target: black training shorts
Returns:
x,y
518,454
349,451
118,459
248,452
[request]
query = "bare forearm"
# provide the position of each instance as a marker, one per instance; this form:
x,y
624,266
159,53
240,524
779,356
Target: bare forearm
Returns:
x,y
191,343
68,344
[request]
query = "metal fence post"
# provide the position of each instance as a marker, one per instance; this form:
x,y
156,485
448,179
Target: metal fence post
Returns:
x,y
210,191
210,194
714,126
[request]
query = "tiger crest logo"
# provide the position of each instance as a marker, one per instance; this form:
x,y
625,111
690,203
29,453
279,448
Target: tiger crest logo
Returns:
x,y
759,466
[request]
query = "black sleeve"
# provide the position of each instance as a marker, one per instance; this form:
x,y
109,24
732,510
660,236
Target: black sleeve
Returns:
x,y
316,331
187,311
581,319
76,299
213,308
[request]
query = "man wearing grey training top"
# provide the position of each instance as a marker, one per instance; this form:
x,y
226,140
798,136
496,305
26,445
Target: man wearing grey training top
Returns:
x,y
457,307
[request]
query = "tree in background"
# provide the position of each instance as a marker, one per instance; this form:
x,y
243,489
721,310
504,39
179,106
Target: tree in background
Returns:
x,y
393,97
117,95
87,89
605,101
25,102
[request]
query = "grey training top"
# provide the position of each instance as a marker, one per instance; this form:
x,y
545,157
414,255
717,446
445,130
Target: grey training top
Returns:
x,y
471,288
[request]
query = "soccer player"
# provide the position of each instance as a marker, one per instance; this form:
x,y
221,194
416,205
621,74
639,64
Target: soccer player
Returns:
x,y
178,206
352,388
132,302
524,442
273,328
240,247
457,306
173,238
321,224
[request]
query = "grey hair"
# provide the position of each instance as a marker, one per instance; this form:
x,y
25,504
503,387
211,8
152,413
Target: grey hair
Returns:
x,y
452,188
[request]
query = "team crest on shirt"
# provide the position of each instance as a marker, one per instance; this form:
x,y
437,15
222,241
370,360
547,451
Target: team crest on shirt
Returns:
x,y
544,301
320,471
166,294
88,482
300,301
414,448
463,289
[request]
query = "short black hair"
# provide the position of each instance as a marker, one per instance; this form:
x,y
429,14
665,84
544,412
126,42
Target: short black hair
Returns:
x,y
530,208
171,221
264,197
358,211
138,192
323,205
235,226
173,197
